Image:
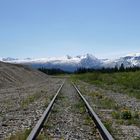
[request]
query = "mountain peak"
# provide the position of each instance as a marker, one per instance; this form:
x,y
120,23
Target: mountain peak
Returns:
x,y
68,57
70,63
9,59
133,54
89,55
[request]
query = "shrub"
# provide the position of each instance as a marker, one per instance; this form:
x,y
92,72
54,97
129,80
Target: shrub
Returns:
x,y
126,114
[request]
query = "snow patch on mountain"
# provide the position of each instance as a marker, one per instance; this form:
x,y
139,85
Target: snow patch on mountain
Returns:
x,y
129,60
70,63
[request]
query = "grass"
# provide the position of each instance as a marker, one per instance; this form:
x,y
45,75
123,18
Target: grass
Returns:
x,y
108,125
48,100
126,82
20,135
88,120
137,138
118,82
30,99
118,114
79,106
102,101
24,134
127,117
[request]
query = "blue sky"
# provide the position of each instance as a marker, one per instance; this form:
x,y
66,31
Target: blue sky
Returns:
x,y
42,28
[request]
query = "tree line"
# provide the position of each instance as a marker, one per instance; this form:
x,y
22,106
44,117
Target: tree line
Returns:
x,y
108,70
55,71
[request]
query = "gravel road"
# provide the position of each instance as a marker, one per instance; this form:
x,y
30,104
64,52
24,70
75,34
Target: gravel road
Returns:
x,y
69,119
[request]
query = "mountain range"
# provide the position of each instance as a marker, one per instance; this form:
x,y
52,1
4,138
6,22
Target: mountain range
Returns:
x,y
69,63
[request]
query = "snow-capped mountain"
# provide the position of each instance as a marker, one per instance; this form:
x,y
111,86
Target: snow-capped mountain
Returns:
x,y
69,63
129,60
8,59
89,61
66,63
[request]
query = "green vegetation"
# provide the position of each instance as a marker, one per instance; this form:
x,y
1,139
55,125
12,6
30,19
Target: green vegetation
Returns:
x,y
102,101
108,70
120,115
41,137
108,125
126,116
24,134
79,107
137,139
53,71
20,135
125,82
88,120
30,99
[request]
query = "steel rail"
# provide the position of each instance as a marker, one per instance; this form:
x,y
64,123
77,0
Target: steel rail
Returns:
x,y
36,130
101,128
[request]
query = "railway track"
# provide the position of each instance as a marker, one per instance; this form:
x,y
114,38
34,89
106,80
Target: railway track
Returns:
x,y
73,96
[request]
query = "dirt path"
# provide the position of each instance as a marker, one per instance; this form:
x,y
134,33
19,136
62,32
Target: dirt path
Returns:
x,y
69,119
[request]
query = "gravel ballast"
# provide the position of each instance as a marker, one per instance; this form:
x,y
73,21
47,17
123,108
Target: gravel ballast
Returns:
x,y
69,119
22,106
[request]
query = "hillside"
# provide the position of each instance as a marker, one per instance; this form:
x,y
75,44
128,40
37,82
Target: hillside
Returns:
x,y
16,75
24,95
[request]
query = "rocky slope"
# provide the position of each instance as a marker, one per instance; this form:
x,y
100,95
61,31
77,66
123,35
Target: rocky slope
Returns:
x,y
24,95
16,75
